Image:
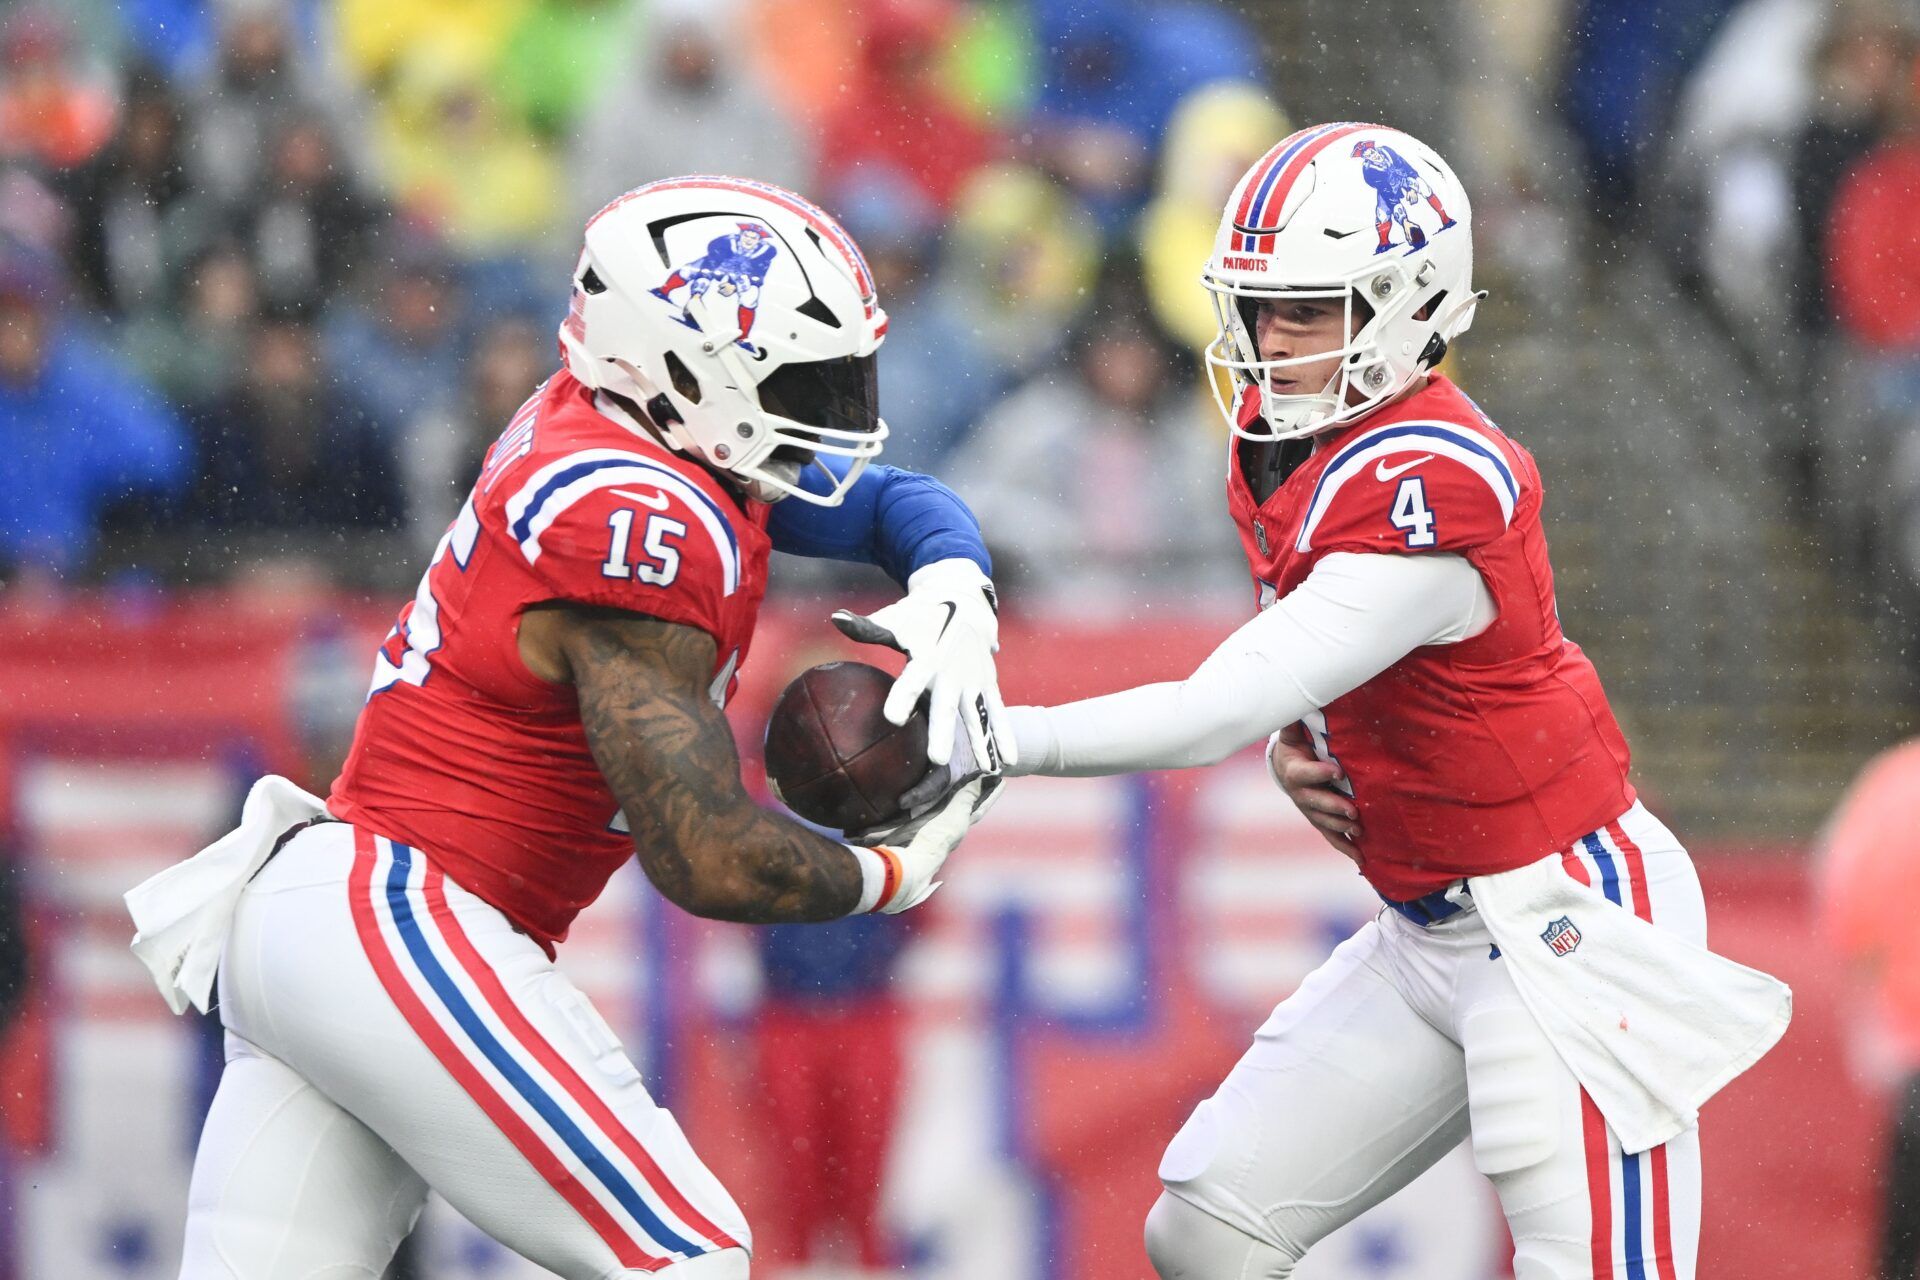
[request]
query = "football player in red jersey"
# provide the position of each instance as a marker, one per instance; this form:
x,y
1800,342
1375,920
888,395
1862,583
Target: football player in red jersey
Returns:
x,y
549,705
1408,667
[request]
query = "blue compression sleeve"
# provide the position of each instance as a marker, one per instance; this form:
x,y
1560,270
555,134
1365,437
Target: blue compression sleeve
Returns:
x,y
898,520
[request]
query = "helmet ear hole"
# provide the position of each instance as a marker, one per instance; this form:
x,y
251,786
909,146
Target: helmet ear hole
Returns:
x,y
1431,307
590,281
683,380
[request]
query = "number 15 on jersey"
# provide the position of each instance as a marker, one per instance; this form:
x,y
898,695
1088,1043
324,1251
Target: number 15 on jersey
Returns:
x,y
661,562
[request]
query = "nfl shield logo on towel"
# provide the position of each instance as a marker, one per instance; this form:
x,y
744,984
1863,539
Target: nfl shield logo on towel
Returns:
x,y
1562,935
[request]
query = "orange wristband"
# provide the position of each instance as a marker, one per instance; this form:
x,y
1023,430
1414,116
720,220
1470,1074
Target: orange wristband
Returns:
x,y
881,875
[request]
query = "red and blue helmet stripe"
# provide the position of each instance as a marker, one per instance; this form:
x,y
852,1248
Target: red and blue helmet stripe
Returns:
x,y
1265,193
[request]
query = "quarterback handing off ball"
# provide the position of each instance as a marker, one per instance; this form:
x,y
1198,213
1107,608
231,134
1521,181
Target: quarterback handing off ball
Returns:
x,y
833,757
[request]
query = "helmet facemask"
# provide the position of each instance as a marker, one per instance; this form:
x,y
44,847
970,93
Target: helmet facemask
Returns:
x,y
1365,377
784,423
817,407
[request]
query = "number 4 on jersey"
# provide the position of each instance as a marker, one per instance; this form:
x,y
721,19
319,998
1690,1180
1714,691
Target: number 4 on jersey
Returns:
x,y
1410,512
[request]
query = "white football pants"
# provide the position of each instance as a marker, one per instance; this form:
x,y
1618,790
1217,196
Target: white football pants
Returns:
x,y
388,1032
1405,1041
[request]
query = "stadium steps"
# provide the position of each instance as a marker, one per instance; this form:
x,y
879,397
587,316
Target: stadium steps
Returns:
x,y
1751,682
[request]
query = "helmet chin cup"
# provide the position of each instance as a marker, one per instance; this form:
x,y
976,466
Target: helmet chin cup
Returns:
x,y
1288,417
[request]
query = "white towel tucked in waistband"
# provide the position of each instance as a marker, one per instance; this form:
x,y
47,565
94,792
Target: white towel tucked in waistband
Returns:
x,y
1651,1024
182,914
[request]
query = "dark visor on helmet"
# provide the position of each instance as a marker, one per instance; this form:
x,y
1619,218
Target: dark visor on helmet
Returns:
x,y
840,395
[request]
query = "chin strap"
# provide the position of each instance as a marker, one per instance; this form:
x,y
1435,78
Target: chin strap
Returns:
x,y
762,489
650,422
1460,318
660,411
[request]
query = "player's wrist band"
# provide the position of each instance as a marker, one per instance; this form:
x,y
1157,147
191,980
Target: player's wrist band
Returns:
x,y
880,876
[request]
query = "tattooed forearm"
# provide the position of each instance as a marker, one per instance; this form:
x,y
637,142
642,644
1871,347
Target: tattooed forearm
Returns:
x,y
668,754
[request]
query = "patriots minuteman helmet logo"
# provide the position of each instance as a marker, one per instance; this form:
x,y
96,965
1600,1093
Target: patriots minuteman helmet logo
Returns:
x,y
741,321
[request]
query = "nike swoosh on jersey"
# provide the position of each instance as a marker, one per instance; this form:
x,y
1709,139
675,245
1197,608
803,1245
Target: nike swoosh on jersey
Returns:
x,y
658,501
1381,471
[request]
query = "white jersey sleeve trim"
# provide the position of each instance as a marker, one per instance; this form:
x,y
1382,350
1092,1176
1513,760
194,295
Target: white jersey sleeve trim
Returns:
x,y
1446,439
550,491
1355,616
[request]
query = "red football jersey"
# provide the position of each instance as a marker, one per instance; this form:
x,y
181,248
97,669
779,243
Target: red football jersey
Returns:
x,y
463,752
1467,758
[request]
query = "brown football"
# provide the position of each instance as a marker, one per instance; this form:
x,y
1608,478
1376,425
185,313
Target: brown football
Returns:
x,y
833,758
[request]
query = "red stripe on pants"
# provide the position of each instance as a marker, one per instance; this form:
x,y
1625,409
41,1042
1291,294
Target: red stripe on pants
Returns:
x,y
626,1250
1599,1185
1662,1204
1662,1215
1636,871
495,992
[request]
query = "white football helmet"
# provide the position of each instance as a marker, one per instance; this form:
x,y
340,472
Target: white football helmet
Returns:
x,y
1355,212
742,320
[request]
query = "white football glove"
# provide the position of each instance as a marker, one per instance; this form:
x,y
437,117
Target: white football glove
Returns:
x,y
900,872
947,626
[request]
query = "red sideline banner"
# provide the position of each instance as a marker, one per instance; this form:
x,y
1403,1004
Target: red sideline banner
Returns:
x,y
1090,1029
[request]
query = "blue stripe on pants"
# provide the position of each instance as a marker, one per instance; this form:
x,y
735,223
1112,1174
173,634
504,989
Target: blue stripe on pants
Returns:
x,y
1609,878
523,1083
1630,1214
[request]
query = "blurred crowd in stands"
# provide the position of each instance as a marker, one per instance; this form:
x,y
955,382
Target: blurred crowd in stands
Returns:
x,y
1771,149
273,275
274,272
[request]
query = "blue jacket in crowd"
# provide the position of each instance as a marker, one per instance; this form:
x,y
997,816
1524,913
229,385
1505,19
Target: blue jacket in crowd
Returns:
x,y
85,433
